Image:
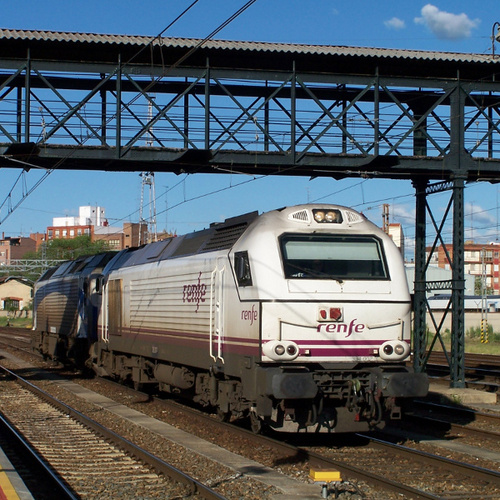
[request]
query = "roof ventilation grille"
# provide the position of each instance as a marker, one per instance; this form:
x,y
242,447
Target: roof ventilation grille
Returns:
x,y
300,216
353,217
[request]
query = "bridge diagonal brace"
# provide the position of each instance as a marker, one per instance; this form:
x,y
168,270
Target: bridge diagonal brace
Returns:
x,y
417,124
305,132
161,113
226,129
146,128
492,125
335,121
73,110
53,115
251,115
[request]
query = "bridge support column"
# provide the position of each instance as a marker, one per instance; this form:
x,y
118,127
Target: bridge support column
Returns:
x,y
419,299
457,367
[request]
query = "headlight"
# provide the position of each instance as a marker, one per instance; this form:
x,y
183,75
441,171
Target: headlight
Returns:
x,y
388,349
280,350
327,216
399,349
319,216
394,350
332,216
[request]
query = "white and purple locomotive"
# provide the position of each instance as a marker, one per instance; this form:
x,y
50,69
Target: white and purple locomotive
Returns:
x,y
298,318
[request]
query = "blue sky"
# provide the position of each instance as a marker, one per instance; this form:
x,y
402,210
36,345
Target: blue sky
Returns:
x,y
189,203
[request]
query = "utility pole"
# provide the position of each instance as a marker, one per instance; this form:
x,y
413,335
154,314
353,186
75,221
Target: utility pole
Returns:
x,y
148,181
484,299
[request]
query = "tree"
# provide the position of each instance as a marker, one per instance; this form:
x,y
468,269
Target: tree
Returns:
x,y
33,264
67,249
478,287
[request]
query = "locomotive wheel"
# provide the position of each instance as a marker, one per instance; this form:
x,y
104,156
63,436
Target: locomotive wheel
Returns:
x,y
223,416
255,423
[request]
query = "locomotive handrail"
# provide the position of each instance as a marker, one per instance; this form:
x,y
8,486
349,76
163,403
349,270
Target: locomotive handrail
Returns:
x,y
220,329
105,329
212,317
384,325
216,290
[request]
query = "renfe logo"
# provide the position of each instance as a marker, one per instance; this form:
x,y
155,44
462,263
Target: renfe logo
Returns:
x,y
194,293
249,315
341,328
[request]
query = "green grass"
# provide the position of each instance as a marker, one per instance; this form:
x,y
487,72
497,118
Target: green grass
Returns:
x,y
476,347
17,322
473,342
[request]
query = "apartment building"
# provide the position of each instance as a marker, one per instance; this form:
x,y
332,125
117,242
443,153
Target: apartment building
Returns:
x,y
91,221
479,260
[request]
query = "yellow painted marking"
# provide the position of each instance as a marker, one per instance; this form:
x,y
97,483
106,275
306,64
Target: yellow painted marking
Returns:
x,y
326,475
6,489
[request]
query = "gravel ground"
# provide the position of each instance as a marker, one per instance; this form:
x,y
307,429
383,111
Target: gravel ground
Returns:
x,y
225,480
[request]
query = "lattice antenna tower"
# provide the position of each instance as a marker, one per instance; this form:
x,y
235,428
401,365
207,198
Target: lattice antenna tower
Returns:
x,y
385,218
148,182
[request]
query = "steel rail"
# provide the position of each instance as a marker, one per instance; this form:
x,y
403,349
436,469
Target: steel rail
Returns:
x,y
156,463
317,460
451,426
35,461
298,453
469,413
487,475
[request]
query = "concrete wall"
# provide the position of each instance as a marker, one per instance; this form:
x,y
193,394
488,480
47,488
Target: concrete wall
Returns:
x,y
472,320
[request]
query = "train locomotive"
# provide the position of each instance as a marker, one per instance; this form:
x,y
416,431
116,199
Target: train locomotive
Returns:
x,y
298,319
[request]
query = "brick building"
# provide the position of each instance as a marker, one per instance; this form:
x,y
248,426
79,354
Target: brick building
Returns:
x,y
120,238
478,259
15,248
92,222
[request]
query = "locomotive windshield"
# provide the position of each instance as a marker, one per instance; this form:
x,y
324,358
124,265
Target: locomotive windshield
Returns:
x,y
338,257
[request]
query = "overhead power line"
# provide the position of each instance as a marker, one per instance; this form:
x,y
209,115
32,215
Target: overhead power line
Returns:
x,y
8,199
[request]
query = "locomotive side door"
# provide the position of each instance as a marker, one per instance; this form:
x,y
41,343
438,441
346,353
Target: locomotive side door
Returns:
x,y
217,311
82,308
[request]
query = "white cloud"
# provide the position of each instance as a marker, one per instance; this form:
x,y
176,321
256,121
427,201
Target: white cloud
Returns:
x,y
404,214
446,25
395,24
478,214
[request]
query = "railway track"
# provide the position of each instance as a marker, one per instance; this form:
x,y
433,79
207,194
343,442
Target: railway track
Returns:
x,y
15,337
375,471
447,475
458,414
367,462
471,360
35,473
482,371
375,463
442,426
90,459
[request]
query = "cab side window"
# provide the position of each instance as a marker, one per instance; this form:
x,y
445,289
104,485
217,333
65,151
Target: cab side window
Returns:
x,y
242,269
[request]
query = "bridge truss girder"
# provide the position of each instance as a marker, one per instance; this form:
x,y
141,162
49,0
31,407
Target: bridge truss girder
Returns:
x,y
87,116
137,117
